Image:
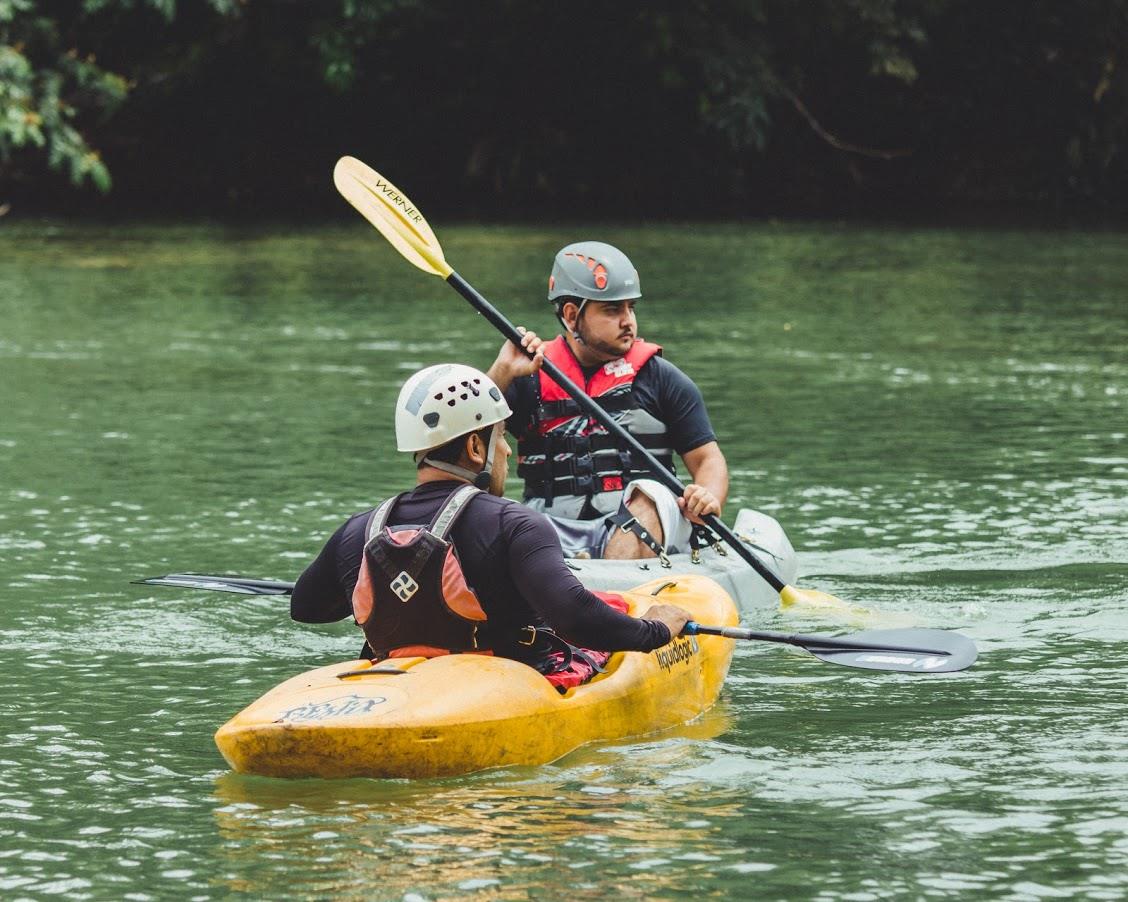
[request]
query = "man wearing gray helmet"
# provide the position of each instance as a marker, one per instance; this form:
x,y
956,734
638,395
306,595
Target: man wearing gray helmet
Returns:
x,y
574,471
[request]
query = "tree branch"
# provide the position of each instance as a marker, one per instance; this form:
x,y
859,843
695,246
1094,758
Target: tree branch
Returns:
x,y
833,140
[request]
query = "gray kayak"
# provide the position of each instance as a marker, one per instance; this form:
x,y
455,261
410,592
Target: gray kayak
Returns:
x,y
761,533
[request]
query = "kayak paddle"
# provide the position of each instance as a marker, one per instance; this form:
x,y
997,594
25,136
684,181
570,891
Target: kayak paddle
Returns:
x,y
238,584
905,651
399,220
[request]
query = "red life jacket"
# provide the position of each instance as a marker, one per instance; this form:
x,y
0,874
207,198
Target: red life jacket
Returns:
x,y
411,597
567,453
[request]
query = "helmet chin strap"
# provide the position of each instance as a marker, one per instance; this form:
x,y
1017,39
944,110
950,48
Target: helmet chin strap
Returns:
x,y
575,333
481,479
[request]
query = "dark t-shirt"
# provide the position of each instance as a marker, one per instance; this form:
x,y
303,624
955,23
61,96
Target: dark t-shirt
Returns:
x,y
660,388
510,556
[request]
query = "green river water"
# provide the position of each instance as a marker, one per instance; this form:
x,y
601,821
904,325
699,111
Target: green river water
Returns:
x,y
936,416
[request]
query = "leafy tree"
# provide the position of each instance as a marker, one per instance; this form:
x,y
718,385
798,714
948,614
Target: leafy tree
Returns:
x,y
51,84
534,107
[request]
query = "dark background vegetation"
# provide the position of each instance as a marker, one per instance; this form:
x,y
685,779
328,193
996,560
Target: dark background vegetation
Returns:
x,y
524,108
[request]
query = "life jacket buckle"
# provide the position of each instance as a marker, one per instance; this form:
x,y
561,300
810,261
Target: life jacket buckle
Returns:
x,y
664,560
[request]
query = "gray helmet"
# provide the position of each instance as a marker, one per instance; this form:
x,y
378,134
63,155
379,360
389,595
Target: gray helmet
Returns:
x,y
593,271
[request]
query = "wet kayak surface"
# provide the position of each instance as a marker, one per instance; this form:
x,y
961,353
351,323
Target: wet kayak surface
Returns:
x,y
936,417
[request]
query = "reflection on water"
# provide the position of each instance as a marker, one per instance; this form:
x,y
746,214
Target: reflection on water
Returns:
x,y
935,416
522,831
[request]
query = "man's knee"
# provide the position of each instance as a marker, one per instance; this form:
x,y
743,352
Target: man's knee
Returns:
x,y
625,545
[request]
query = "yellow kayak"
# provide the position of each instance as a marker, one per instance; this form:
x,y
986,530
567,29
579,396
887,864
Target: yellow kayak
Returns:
x,y
419,717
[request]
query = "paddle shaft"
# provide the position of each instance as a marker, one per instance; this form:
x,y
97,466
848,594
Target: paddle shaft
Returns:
x,y
588,404
820,643
869,652
283,588
239,584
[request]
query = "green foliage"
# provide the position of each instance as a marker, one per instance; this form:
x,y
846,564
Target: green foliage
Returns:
x,y
341,38
49,85
585,108
42,89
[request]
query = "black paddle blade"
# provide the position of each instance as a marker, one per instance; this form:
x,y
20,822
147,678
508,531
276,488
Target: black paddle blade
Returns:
x,y
238,584
903,651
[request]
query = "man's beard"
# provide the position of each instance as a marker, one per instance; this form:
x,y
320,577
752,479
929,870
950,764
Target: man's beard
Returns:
x,y
603,347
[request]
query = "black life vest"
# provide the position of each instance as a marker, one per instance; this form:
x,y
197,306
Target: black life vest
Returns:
x,y
568,457
411,597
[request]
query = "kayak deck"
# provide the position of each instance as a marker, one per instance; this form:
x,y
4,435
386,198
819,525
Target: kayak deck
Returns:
x,y
416,717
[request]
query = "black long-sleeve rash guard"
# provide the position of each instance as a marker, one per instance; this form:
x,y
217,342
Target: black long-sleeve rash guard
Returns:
x,y
510,556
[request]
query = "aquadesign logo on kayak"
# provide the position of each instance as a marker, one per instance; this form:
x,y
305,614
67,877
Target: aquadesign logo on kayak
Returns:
x,y
676,652
345,705
399,200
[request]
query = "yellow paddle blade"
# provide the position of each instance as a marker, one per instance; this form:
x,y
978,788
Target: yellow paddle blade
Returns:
x,y
387,208
818,602
823,606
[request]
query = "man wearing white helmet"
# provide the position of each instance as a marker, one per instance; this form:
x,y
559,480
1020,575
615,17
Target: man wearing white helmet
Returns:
x,y
574,470
452,566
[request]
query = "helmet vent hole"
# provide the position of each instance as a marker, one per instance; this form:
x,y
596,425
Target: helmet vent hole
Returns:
x,y
463,396
439,396
450,403
431,419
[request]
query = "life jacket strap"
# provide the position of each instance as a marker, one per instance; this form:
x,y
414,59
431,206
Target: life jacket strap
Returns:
x,y
451,511
595,443
442,523
530,635
380,517
567,407
595,484
569,466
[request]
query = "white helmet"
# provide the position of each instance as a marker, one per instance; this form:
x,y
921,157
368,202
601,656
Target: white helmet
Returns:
x,y
443,402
